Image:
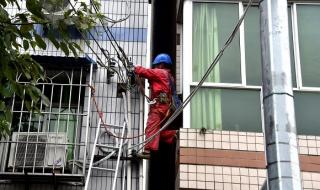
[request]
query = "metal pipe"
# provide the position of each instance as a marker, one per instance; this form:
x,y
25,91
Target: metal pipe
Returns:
x,y
124,169
76,150
92,156
141,128
279,117
114,183
145,163
129,140
88,119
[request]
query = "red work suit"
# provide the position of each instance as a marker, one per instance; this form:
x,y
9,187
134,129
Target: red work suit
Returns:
x,y
159,80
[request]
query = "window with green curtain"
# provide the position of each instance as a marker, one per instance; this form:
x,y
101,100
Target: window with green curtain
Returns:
x,y
226,109
308,18
307,111
212,24
253,46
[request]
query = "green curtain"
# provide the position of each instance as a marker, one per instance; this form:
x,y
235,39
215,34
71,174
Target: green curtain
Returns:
x,y
66,123
206,109
206,105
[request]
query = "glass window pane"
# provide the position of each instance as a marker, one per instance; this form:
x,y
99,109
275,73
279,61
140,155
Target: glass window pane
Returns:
x,y
307,110
293,68
309,43
212,24
253,46
226,109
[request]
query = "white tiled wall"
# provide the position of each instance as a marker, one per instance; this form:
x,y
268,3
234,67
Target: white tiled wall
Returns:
x,y
247,141
233,178
221,178
229,140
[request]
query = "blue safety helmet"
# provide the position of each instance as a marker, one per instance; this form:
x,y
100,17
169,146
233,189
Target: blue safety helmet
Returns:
x,y
162,58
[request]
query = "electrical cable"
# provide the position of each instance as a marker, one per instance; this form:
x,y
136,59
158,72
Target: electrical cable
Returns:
x,y
124,59
140,86
100,62
205,76
188,99
107,31
122,19
109,54
102,50
100,114
109,34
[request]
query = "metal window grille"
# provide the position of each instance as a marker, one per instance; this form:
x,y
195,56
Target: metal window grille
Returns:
x,y
49,141
131,34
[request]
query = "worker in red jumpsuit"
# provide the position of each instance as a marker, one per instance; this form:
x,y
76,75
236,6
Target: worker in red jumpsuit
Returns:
x,y
161,95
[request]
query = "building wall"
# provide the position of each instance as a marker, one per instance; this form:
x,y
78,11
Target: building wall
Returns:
x,y
229,157
131,35
179,60
236,160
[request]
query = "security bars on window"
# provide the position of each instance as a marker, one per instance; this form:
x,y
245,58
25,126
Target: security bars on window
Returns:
x,y
49,140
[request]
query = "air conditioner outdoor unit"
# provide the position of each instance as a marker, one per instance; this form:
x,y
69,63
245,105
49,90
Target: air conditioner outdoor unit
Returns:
x,y
43,149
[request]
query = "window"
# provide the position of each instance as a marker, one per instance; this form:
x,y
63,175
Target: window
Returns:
x,y
212,23
252,46
307,107
235,83
226,109
218,105
308,23
50,141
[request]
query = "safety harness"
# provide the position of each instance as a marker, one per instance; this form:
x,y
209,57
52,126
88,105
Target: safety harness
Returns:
x,y
162,98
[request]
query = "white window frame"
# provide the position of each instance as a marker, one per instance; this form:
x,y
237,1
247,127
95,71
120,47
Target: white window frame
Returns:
x,y
187,56
296,49
187,59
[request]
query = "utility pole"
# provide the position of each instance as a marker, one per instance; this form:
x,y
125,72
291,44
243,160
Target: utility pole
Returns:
x,y
280,127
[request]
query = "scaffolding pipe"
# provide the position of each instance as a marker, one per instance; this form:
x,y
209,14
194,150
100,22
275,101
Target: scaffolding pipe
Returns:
x,y
279,117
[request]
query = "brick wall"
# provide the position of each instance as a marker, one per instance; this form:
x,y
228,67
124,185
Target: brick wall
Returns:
x,y
236,160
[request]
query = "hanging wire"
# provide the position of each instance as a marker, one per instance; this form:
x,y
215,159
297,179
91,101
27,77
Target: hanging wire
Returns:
x,y
205,76
100,114
188,99
124,59
100,62
110,20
